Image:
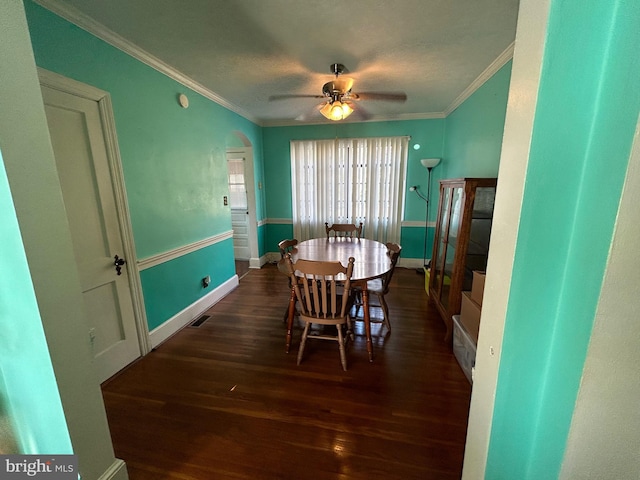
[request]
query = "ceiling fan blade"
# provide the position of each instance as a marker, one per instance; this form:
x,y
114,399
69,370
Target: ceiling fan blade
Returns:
x,y
311,114
385,96
360,112
292,95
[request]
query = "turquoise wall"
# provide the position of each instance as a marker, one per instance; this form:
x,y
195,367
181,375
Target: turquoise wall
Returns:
x,y
587,110
473,133
428,134
468,140
173,158
175,167
183,284
30,408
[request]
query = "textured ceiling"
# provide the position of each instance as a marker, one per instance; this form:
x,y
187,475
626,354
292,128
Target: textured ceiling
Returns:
x,y
243,51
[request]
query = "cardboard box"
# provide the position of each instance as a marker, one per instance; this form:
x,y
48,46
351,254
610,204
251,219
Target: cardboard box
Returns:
x,y
470,315
477,287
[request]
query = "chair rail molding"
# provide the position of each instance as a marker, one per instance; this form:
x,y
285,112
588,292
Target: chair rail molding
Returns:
x,y
169,255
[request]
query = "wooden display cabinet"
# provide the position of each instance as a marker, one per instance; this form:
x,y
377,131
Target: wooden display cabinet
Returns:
x,y
461,242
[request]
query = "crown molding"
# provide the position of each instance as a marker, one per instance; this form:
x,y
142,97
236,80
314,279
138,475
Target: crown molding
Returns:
x,y
489,72
88,24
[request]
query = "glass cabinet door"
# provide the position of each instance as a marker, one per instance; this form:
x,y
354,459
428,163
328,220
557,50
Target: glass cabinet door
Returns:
x,y
479,234
437,263
451,239
461,245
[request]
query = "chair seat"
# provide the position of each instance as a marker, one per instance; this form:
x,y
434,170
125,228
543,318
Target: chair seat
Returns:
x,y
375,286
282,267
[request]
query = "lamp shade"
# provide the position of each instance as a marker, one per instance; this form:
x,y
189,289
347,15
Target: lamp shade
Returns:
x,y
336,110
430,162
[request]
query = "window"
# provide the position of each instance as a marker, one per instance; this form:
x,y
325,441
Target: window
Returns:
x,y
349,181
237,188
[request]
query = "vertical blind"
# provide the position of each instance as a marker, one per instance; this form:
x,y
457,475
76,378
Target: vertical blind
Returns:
x,y
349,181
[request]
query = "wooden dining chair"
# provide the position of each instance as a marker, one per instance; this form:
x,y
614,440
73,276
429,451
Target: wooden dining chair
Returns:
x,y
343,230
320,300
285,247
379,287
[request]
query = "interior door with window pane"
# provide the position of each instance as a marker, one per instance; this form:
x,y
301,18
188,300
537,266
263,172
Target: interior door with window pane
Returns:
x,y
239,209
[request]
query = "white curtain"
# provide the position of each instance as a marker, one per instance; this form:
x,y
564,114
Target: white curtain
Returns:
x,y
349,181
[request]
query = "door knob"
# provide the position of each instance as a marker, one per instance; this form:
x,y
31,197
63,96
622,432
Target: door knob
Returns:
x,y
118,262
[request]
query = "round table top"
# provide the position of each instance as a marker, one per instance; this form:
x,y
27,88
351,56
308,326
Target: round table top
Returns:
x,y
371,258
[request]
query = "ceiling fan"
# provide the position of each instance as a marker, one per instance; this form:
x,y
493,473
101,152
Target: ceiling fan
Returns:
x,y
338,98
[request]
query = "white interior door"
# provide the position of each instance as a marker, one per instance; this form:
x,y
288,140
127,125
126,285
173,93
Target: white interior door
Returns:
x,y
239,208
78,142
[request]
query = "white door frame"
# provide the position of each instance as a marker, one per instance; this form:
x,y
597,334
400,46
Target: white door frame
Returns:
x,y
249,179
103,99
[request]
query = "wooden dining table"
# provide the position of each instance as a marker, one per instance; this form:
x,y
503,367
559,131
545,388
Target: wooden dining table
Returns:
x,y
371,261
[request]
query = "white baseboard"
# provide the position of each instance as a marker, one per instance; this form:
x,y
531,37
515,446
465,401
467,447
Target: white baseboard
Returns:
x,y
271,257
258,262
179,320
116,471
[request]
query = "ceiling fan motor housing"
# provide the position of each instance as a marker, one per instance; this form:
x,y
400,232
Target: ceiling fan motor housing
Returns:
x,y
337,68
338,87
338,99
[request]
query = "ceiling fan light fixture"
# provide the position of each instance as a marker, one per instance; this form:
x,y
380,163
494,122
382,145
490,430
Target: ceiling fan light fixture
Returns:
x,y
346,110
336,110
326,110
337,98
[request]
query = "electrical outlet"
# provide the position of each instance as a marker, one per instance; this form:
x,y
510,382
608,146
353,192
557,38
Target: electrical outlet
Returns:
x,y
206,281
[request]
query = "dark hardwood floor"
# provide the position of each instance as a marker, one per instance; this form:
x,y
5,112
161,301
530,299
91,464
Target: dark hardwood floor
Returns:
x,y
223,400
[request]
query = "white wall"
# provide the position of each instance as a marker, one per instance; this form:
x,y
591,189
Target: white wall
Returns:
x,y
604,440
37,196
525,77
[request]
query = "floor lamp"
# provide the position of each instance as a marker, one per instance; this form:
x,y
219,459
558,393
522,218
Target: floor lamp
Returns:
x,y
429,164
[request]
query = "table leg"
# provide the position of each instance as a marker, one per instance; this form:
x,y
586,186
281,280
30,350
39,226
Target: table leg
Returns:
x,y
290,317
367,320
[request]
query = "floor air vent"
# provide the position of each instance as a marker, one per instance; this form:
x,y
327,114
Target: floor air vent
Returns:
x,y
200,321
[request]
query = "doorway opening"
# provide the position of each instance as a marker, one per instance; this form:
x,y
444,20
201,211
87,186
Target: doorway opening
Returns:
x,y
243,205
